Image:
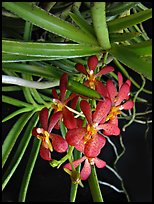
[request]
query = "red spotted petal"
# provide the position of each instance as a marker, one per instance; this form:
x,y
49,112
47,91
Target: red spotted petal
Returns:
x,y
54,93
114,121
86,170
73,95
92,62
74,136
127,106
45,153
86,109
80,146
101,140
111,90
59,143
99,163
81,68
109,129
123,93
79,122
54,119
92,147
101,88
43,116
75,163
102,109
105,70
120,80
69,120
63,86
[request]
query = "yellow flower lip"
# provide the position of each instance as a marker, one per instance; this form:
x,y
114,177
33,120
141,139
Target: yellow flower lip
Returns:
x,y
44,136
115,110
57,106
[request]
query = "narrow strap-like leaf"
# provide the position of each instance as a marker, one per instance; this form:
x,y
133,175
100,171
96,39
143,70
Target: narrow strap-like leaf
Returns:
x,y
13,134
48,49
82,89
15,102
127,21
19,151
98,11
47,21
120,37
29,170
127,56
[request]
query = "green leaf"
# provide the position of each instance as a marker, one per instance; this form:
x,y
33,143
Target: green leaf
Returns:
x,y
117,8
29,169
40,70
15,102
120,37
15,113
82,89
7,58
139,63
48,49
19,151
49,22
13,135
127,21
98,12
83,24
143,48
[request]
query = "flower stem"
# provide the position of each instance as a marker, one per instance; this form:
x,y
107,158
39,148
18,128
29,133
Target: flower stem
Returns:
x,y
94,186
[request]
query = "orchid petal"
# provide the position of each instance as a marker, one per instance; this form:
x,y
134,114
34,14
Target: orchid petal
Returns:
x,y
101,140
59,143
114,121
45,153
86,170
54,119
86,109
43,116
75,163
127,106
105,70
74,136
73,95
120,80
101,88
109,129
63,86
123,93
54,93
74,102
92,147
81,68
128,82
99,163
92,62
102,109
80,145
69,120
34,131
111,90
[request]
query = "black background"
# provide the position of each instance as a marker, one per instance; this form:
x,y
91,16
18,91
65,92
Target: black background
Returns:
x,y
135,166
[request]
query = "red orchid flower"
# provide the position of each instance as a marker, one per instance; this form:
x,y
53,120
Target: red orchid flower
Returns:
x,y
91,81
86,170
118,98
86,139
49,140
60,104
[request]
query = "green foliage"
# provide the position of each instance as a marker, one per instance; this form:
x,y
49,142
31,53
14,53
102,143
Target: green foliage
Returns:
x,y
41,43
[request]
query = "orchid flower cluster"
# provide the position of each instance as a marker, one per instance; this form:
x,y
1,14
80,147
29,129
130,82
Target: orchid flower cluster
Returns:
x,y
84,124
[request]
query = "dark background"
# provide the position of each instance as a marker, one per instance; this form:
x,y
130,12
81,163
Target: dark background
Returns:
x,y
135,166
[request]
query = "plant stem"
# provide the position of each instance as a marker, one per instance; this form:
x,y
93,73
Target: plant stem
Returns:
x,y
94,186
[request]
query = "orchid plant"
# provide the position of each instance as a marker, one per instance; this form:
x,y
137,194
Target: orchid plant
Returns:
x,y
73,63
